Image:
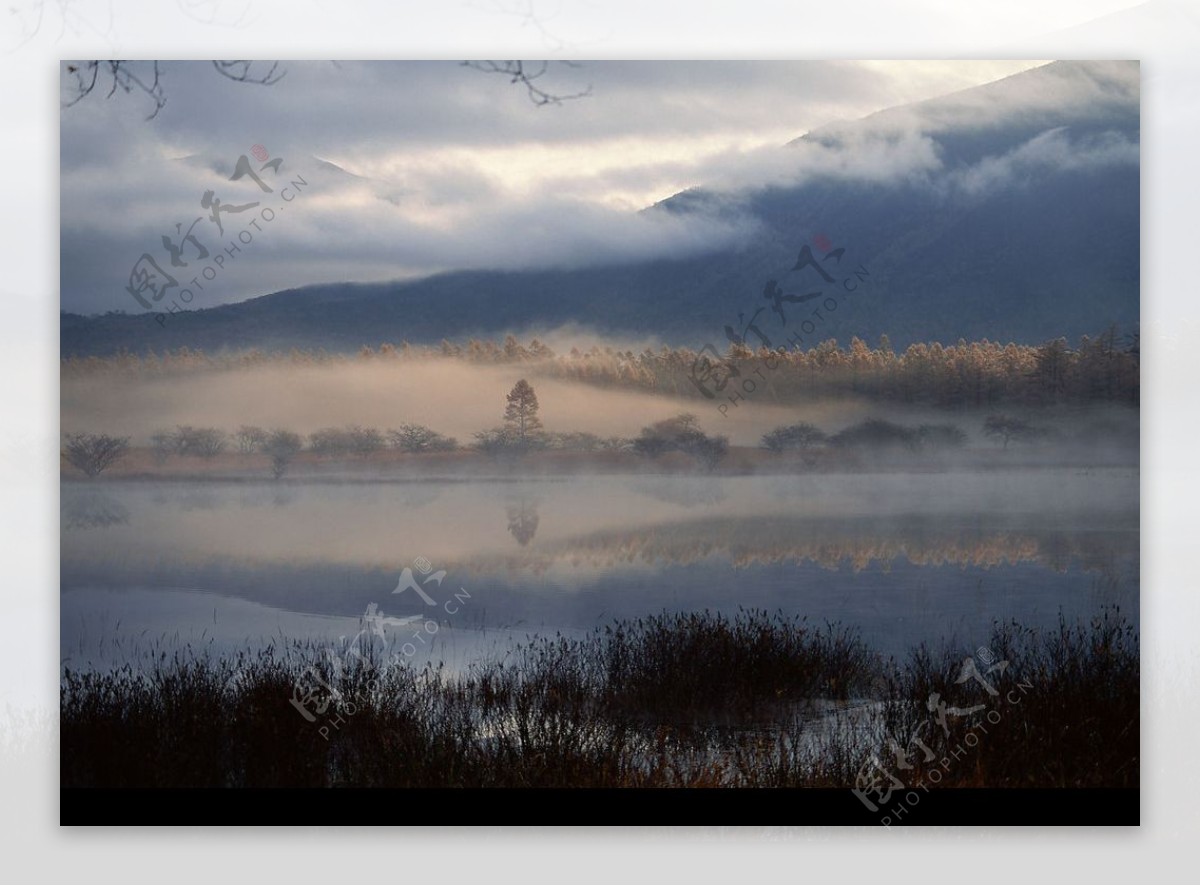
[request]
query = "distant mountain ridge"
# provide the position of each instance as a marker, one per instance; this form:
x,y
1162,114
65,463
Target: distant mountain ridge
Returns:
x,y
1027,229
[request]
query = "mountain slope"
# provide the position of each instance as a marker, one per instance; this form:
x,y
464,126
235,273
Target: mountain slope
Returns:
x,y
1009,211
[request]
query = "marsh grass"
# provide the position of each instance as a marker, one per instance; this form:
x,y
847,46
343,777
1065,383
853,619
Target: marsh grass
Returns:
x,y
687,700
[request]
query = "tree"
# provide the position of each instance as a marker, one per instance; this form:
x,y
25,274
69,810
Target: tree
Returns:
x,y
875,433
350,440
282,446
579,441
1050,370
669,435
164,444
681,433
802,436
418,438
496,441
92,453
249,438
1007,427
146,78
363,441
329,441
527,74
521,414
203,442
941,436
709,450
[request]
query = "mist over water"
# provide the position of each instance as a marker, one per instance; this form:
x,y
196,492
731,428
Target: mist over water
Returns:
x,y
905,558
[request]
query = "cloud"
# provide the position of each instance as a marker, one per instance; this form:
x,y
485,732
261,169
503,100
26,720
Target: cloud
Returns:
x,y
1053,149
430,166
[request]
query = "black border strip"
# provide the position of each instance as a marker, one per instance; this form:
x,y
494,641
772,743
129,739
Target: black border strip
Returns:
x,y
588,807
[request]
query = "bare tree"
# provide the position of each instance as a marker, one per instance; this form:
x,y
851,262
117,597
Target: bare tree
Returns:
x,y
204,442
418,438
164,444
250,438
282,446
1006,428
350,440
145,77
527,74
92,453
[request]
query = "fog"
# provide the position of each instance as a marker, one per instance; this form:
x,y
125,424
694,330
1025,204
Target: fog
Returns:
x,y
906,546
458,399
452,397
904,557
464,523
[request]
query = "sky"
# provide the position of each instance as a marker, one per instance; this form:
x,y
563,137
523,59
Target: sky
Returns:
x,y
410,168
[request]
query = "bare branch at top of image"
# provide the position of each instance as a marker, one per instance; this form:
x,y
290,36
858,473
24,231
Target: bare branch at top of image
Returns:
x,y
145,77
527,73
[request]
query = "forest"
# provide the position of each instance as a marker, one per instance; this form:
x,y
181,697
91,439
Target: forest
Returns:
x,y
1104,369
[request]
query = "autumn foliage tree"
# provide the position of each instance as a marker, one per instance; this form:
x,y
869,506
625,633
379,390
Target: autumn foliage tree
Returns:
x,y
973,374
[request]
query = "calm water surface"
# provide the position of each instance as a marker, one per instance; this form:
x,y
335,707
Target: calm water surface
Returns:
x,y
902,557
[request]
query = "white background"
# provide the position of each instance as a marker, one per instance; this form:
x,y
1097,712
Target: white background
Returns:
x,y
1164,34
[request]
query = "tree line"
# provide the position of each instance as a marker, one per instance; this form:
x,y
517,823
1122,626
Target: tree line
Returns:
x,y
522,432
966,374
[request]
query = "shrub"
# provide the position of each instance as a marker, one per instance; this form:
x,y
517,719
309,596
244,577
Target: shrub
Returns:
x,y
506,441
350,440
328,441
1007,428
93,453
941,436
364,441
201,442
164,445
578,441
282,446
681,434
418,438
876,433
250,438
802,436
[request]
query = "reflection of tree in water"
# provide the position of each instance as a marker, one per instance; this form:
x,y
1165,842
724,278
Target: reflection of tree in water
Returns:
x,y
95,510
856,545
523,521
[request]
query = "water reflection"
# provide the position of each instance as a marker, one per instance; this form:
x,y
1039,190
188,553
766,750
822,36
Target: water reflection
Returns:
x,y
523,521
92,509
904,558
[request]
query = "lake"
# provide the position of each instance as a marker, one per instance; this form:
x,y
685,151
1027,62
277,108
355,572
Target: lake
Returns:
x,y
902,557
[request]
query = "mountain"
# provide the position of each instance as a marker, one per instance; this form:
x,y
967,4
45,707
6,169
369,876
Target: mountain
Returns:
x,y
1009,211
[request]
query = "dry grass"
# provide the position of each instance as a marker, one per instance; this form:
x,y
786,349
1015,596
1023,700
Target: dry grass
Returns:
x,y
756,700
